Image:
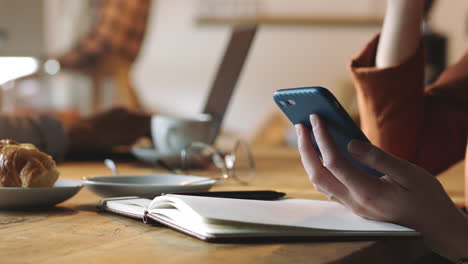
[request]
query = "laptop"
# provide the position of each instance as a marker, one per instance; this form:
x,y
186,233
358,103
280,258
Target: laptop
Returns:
x,y
227,76
221,90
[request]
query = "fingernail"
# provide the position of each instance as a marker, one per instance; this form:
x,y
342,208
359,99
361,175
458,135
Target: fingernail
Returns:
x,y
314,120
357,147
298,129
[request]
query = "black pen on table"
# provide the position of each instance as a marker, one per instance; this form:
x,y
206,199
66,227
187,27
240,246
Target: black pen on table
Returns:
x,y
266,195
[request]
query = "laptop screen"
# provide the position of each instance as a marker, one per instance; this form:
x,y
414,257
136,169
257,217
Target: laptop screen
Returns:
x,y
228,74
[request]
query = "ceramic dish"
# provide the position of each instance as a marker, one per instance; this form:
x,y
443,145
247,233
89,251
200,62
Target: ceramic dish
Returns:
x,y
151,156
147,186
18,197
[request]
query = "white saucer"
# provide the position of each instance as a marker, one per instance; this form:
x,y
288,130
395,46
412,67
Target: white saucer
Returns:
x,y
151,156
18,197
147,186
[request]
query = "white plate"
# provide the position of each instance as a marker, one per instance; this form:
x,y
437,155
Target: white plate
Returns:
x,y
151,156
18,197
147,186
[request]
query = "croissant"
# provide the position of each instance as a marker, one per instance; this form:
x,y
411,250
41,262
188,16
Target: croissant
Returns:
x,y
23,165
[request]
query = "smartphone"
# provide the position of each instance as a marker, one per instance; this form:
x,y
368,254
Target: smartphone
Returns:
x,y
299,103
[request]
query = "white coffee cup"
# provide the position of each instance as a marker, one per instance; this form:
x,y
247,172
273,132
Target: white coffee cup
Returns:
x,y
173,134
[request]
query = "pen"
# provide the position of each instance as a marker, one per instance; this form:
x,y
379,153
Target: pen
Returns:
x,y
249,195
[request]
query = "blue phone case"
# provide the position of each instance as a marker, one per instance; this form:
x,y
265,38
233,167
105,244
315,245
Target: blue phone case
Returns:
x,y
299,103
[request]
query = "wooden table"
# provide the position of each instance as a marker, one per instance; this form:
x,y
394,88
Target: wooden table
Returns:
x,y
74,232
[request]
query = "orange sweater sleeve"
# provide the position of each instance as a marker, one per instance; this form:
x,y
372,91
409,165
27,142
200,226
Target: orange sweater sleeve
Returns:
x,y
425,125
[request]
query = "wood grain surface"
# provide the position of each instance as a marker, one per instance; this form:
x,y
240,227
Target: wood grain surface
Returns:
x,y
74,232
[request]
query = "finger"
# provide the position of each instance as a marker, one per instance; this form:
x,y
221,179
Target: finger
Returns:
x,y
395,168
342,169
309,157
330,196
318,174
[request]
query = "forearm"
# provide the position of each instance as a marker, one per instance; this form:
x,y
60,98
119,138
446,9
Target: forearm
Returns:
x,y
401,32
452,242
106,130
43,131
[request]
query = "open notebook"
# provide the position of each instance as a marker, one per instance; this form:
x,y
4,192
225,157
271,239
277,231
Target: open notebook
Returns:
x,y
212,219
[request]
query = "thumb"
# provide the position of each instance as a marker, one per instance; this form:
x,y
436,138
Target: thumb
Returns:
x,y
395,168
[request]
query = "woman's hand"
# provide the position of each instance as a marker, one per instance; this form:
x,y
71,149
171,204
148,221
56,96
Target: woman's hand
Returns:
x,y
406,194
106,130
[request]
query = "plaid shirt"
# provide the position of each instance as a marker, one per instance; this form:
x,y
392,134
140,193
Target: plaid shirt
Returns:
x,y
120,30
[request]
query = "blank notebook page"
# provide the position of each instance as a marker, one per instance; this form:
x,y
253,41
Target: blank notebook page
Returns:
x,y
287,212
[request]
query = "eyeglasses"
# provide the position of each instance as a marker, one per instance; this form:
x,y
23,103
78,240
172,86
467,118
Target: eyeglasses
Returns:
x,y
237,164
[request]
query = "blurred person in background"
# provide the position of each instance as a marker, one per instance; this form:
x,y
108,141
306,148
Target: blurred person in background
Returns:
x,y
114,27
100,133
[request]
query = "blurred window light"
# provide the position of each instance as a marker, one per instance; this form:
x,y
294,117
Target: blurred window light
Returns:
x,y
52,66
16,67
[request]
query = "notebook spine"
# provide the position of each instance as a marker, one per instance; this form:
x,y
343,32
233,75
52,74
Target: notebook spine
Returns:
x,y
125,214
102,205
